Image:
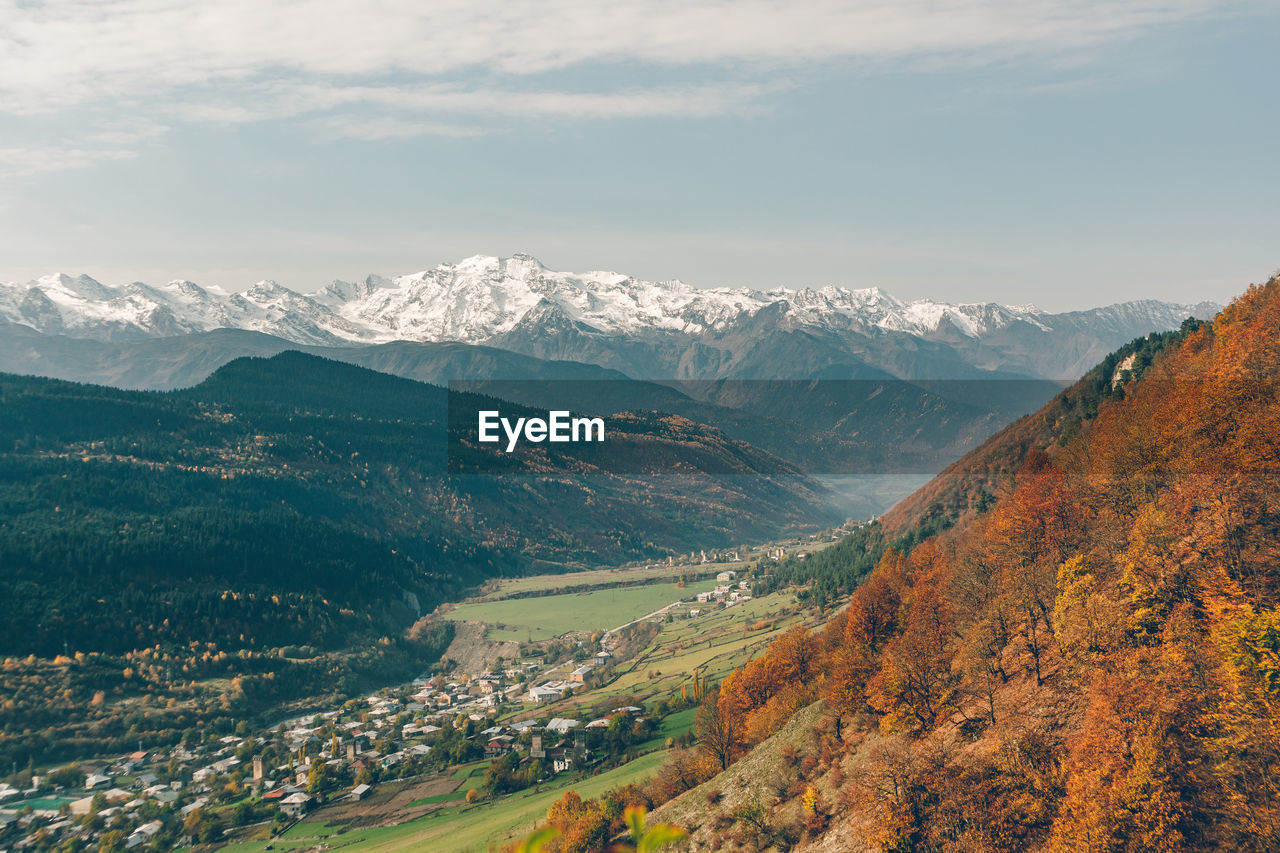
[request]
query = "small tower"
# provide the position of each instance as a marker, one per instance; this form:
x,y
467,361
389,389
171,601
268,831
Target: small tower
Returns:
x,y
257,768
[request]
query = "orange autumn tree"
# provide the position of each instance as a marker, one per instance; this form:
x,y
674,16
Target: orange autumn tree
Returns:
x,y
1106,636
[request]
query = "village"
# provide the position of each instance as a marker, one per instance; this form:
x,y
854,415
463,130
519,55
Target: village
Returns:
x,y
469,734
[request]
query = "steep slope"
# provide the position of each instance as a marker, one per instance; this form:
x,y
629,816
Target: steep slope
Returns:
x,y
1089,662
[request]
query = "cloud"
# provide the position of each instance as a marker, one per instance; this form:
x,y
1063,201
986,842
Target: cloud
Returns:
x,y
382,69
64,53
404,102
26,161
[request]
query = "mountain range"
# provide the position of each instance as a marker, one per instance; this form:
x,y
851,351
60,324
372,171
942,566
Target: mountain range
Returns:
x,y
834,381
644,329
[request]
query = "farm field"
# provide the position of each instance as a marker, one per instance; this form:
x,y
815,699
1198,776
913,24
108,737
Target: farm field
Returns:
x,y
456,829
429,815
507,587
711,645
545,617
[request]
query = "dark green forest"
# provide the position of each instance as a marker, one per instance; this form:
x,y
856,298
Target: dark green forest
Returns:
x,y
182,560
296,500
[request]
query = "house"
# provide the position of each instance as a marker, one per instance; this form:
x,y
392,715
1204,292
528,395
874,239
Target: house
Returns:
x,y
199,803
603,658
296,805
225,765
479,688
727,575
498,746
359,792
561,726
93,780
546,693
146,780
561,759
579,675
143,834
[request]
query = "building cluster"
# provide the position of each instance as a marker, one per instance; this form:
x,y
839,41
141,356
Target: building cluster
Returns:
x,y
148,795
148,798
729,591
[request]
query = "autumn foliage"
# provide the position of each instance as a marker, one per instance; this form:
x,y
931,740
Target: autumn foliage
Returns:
x,y
1092,662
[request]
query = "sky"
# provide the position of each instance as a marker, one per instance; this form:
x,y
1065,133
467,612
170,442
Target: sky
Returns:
x,y
1020,151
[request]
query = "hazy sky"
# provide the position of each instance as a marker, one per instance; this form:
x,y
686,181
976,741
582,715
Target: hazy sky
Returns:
x,y
1062,153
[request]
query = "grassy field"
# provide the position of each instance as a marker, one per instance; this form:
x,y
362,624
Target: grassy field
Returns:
x,y
542,618
507,587
457,829
710,645
673,725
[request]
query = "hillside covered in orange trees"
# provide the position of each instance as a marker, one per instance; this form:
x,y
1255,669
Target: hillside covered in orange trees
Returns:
x,y
1085,659
1091,663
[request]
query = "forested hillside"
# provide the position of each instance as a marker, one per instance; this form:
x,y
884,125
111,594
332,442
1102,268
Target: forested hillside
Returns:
x,y
1088,659
168,558
298,500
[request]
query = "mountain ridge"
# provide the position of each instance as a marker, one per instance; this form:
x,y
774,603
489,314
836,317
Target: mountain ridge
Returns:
x,y
518,303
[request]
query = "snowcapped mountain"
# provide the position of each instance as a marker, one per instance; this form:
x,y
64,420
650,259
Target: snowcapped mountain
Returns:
x,y
644,328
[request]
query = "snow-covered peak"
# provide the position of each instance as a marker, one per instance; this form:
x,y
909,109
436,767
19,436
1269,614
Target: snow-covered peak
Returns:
x,y
484,297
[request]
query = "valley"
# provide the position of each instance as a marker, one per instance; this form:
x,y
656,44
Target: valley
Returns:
x,y
462,640
649,645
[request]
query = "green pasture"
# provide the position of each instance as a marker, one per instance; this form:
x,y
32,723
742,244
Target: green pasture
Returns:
x,y
455,829
542,618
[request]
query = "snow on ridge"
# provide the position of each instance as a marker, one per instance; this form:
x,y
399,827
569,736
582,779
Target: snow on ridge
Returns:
x,y
483,297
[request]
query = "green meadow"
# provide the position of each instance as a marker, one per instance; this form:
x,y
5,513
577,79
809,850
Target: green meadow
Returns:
x,y
455,829
544,617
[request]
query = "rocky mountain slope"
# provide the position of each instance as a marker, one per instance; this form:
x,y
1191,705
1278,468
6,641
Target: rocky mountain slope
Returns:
x,y
645,329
